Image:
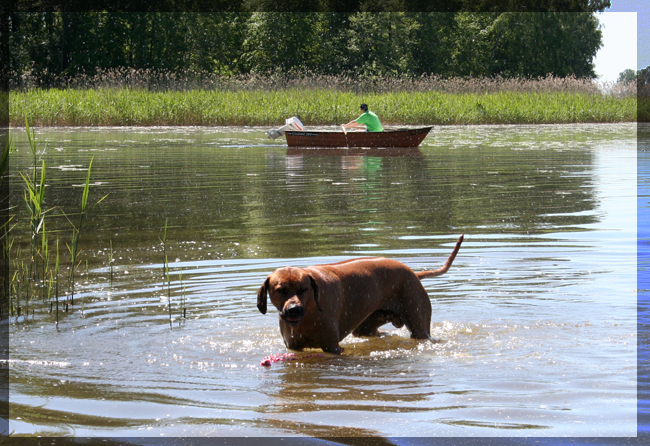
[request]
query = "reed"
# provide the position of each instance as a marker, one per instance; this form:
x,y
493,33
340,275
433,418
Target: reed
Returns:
x,y
13,293
45,255
73,247
4,161
34,199
644,109
10,278
111,260
56,283
163,243
317,106
5,230
28,276
169,292
166,276
183,300
167,282
155,80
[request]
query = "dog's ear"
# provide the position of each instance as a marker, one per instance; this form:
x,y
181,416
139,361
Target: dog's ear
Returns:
x,y
314,286
261,296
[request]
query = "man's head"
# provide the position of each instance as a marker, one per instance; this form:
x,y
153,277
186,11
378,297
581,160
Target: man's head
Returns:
x,y
364,107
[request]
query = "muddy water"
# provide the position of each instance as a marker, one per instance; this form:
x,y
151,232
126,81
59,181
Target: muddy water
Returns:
x,y
538,312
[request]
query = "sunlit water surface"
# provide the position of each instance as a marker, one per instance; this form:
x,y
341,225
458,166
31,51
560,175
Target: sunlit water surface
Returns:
x,y
538,311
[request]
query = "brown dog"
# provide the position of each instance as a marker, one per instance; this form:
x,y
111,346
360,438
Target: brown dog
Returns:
x,y
322,304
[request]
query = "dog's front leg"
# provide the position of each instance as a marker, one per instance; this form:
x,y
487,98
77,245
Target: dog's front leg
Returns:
x,y
333,348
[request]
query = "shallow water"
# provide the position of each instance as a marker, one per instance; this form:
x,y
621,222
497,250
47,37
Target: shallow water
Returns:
x,y
538,313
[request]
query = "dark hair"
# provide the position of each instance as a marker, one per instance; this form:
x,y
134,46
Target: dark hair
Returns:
x,y
364,107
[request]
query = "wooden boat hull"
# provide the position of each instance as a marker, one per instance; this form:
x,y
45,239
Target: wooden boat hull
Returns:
x,y
328,138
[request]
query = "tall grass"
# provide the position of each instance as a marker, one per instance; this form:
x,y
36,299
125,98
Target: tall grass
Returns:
x,y
111,261
167,281
73,247
6,225
33,275
188,80
643,104
34,199
55,279
166,277
129,107
126,97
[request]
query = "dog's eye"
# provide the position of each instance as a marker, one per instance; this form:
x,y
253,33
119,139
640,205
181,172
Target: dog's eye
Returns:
x,y
302,290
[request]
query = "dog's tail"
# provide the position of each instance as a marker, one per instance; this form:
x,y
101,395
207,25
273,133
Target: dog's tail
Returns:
x,y
439,272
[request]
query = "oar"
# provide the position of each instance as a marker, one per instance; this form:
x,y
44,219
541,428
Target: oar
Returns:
x,y
345,132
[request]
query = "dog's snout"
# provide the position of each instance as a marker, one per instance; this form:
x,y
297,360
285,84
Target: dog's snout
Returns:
x,y
293,313
294,310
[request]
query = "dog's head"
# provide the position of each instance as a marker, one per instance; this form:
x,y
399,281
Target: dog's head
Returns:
x,y
291,291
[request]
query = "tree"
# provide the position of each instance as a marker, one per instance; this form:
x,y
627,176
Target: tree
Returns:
x,y
283,41
334,34
516,44
643,76
435,43
216,42
382,43
510,44
472,44
353,6
534,5
643,82
627,75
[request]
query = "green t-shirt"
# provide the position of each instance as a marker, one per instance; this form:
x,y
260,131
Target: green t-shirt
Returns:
x,y
371,121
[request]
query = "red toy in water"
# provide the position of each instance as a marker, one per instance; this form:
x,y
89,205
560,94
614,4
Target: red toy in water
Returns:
x,y
268,360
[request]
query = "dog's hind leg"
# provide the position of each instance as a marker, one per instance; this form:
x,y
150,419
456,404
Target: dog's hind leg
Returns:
x,y
416,313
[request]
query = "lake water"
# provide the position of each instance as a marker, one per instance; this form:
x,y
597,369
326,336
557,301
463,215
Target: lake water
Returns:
x,y
538,311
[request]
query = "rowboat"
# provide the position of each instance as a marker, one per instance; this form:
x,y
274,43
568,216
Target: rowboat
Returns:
x,y
329,138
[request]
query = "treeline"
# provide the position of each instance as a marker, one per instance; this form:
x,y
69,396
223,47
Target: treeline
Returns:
x,y
361,44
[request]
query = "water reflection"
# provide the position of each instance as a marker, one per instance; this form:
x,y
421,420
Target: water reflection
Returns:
x,y
257,201
355,151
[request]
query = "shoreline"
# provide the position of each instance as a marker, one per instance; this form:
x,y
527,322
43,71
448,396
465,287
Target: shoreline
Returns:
x,y
18,127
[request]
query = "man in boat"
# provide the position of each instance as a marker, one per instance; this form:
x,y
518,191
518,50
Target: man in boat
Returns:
x,y
368,120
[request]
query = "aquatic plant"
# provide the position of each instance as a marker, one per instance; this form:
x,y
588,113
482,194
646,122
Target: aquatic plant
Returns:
x,y
6,226
111,260
23,285
73,247
4,161
166,277
156,80
323,106
149,97
169,291
56,281
183,300
34,198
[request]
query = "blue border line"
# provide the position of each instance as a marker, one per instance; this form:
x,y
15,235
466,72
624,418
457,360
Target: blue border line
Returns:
x,y
643,280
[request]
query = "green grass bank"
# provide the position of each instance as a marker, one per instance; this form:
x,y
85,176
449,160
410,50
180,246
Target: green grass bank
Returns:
x,y
139,107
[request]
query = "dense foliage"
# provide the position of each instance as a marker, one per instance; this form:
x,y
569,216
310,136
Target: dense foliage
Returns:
x,y
362,44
